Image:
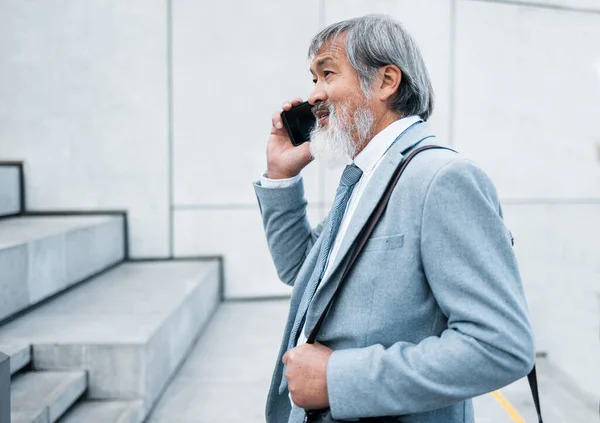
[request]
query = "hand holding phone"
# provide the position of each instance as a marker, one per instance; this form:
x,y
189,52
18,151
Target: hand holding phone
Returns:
x,y
284,160
299,122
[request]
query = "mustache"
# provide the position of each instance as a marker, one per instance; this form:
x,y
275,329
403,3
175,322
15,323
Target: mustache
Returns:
x,y
322,107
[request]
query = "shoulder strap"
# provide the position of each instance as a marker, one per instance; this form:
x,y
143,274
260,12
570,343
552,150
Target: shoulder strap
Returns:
x,y
368,229
533,385
364,236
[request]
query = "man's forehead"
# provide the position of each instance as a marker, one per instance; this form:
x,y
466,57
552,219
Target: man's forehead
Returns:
x,y
333,49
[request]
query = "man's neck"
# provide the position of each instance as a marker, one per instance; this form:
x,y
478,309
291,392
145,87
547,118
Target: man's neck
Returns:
x,y
380,124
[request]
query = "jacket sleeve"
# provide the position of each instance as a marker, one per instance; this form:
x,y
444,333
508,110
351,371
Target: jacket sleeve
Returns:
x,y
470,266
288,232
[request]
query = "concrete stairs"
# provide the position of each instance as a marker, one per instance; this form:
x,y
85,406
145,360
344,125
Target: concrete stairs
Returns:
x,y
41,256
91,336
19,353
44,396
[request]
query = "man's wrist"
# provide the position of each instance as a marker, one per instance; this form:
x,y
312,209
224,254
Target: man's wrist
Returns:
x,y
267,182
277,174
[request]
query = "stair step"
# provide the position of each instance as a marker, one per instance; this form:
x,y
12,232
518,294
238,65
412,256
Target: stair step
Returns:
x,y
45,396
40,256
19,353
10,190
39,416
105,412
130,328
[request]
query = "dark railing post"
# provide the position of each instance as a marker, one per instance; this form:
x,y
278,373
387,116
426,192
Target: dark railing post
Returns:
x,y
4,388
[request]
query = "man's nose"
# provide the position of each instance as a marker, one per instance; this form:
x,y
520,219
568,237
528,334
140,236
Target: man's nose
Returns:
x,y
317,95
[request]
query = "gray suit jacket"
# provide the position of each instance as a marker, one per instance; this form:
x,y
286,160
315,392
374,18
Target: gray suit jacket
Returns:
x,y
433,312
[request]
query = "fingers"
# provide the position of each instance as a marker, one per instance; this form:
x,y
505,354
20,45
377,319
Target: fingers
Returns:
x,y
276,120
289,104
289,355
286,357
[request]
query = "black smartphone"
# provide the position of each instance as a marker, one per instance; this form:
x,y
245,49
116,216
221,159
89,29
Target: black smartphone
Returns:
x,y
299,122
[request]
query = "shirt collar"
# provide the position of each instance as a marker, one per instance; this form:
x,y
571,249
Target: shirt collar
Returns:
x,y
376,148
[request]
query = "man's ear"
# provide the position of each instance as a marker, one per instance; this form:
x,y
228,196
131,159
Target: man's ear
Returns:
x,y
391,76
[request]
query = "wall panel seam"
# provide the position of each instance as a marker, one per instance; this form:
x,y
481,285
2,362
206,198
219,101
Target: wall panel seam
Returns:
x,y
170,136
537,5
230,206
506,201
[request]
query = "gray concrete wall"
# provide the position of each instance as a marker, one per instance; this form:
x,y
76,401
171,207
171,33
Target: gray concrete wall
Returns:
x,y
162,108
85,105
526,96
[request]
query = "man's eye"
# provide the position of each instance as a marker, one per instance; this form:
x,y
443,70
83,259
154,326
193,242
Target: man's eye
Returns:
x,y
327,73
315,81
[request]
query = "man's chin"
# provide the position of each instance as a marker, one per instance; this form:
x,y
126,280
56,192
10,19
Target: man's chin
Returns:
x,y
332,152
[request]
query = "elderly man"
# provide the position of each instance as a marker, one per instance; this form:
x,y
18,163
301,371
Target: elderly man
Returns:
x,y
433,311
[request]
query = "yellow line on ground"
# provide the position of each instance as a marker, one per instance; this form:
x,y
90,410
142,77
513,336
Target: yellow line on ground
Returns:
x,y
508,407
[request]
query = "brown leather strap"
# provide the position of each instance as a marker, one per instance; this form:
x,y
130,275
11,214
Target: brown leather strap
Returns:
x,y
361,241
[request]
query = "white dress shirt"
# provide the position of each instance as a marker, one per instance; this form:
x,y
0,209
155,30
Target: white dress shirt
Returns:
x,y
367,160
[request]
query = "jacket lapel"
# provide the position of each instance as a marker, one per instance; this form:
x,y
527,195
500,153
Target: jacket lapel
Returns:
x,y
373,192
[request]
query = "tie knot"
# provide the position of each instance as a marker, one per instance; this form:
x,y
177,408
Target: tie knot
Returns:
x,y
350,175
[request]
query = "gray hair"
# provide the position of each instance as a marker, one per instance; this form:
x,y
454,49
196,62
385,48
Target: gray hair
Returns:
x,y
374,41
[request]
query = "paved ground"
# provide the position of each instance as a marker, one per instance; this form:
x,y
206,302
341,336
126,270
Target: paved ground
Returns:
x,y
227,376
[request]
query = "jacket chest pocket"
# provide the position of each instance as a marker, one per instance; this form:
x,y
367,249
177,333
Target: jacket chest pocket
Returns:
x,y
381,243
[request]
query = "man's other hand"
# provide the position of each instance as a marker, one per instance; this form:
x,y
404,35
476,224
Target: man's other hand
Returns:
x,y
283,159
306,372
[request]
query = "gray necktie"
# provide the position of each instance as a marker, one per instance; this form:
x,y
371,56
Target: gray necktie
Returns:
x,y
350,177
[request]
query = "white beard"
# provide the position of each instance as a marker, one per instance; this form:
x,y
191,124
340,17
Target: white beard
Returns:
x,y
334,145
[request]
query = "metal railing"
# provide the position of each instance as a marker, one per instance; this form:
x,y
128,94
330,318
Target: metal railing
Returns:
x,y
4,388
